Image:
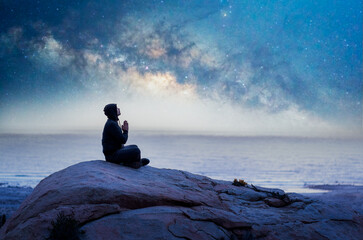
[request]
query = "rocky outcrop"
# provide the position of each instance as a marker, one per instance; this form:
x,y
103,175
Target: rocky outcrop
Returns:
x,y
115,202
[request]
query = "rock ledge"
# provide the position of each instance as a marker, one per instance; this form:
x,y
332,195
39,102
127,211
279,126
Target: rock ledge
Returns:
x,y
115,202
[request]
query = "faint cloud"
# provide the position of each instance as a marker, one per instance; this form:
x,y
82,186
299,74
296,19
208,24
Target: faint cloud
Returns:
x,y
11,39
154,48
52,52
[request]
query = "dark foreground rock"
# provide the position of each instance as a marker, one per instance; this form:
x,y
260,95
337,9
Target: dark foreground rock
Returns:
x,y
115,202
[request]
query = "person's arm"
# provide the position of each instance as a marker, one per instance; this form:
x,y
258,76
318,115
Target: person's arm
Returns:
x,y
119,134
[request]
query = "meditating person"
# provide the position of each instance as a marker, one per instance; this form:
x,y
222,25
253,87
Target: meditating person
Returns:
x,y
114,137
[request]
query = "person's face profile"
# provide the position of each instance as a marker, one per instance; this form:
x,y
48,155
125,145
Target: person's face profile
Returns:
x,y
118,112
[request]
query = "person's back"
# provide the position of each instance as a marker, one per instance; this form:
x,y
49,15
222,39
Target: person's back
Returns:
x,y
114,138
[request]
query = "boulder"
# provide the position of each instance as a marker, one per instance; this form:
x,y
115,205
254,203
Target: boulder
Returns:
x,y
111,201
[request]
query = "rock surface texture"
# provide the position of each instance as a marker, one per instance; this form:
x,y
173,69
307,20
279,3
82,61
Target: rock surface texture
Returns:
x,y
115,202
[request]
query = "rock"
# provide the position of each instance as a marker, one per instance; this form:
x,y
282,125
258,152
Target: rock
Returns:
x,y
271,191
275,202
115,202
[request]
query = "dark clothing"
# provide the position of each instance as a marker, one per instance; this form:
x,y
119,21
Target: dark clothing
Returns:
x,y
113,139
126,154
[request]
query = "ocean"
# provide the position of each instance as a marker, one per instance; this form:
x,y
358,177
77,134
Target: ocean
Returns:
x,y
289,163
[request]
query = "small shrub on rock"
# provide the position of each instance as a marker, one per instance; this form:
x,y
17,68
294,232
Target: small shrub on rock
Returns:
x,y
2,220
64,228
240,182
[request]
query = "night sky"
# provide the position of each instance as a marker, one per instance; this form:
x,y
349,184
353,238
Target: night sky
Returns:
x,y
244,67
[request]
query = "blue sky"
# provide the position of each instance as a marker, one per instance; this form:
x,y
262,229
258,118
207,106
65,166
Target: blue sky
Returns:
x,y
253,67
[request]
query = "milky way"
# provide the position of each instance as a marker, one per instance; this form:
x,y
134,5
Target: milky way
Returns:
x,y
255,61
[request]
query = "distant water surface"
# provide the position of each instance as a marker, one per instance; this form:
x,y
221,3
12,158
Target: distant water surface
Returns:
x,y
283,162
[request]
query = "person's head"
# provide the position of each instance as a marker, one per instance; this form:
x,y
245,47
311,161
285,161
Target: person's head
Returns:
x,y
112,111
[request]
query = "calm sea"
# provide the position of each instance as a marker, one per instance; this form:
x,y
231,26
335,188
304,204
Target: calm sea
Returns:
x,y
283,162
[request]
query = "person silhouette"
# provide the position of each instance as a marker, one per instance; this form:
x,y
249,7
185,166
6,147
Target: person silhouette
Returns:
x,y
114,137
